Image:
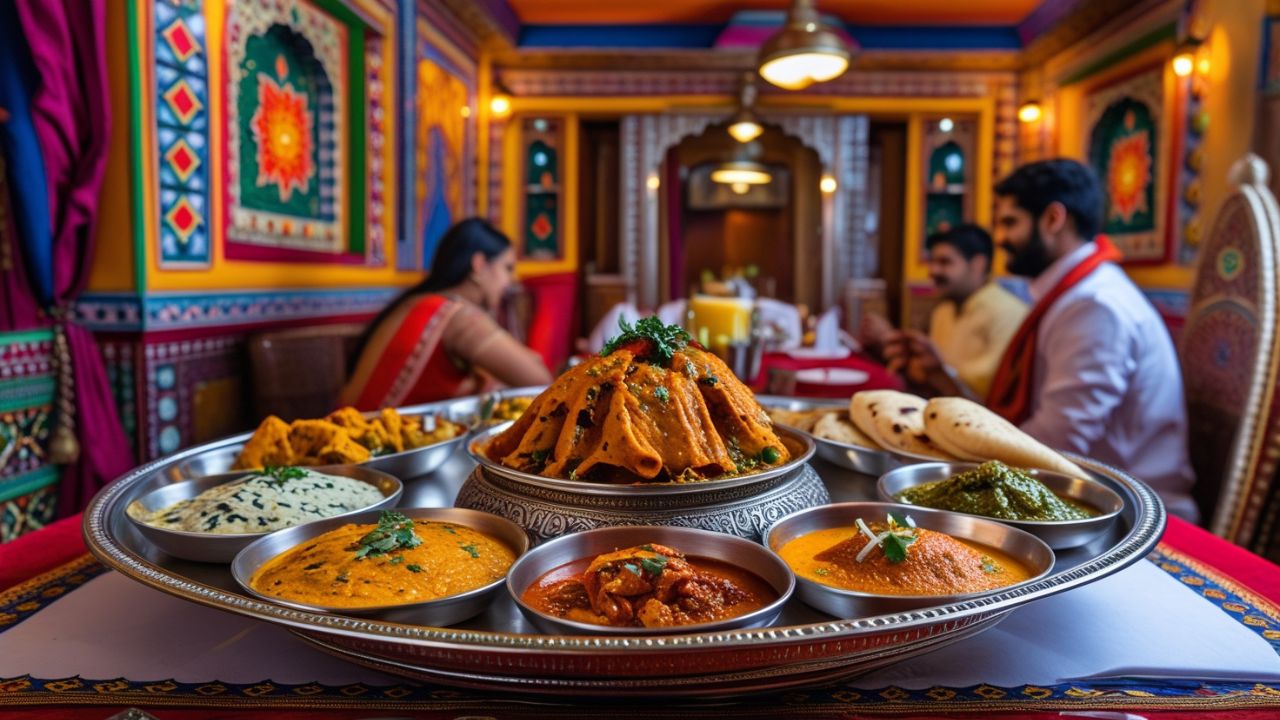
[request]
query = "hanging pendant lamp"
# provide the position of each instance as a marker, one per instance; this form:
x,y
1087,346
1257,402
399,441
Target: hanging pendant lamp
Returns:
x,y
745,126
804,51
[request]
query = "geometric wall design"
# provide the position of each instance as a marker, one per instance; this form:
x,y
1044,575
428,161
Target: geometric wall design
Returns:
x,y
182,134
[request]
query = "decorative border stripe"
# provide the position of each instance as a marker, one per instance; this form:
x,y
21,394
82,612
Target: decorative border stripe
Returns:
x,y
125,312
1255,612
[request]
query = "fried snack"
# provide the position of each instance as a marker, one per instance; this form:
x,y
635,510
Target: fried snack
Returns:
x,y
675,413
895,420
983,435
268,446
344,436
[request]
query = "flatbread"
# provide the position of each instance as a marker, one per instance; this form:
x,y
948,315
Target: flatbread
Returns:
x,y
895,420
799,419
837,427
959,424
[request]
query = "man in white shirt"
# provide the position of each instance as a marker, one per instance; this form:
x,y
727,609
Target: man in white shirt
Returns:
x,y
1099,375
971,325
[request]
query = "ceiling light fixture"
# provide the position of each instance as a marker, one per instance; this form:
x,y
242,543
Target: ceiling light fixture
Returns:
x,y
1029,112
745,127
747,172
804,51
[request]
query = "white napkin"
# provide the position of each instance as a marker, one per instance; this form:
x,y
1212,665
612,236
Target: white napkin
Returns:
x,y
1140,622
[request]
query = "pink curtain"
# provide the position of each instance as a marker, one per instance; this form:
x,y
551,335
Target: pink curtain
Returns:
x,y
72,116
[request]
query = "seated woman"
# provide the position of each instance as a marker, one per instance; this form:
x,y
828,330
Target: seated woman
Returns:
x,y
438,340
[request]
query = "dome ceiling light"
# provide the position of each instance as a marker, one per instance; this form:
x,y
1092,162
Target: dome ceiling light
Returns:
x,y
804,51
745,126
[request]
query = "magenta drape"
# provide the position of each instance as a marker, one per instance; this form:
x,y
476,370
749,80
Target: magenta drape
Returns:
x,y
72,116
18,307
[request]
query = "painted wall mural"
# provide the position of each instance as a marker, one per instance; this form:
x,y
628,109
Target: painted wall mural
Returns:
x,y
28,483
541,161
443,137
287,92
182,135
1127,135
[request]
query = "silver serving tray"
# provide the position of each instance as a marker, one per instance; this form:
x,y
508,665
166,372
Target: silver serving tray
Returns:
x,y
500,650
214,547
1060,534
858,458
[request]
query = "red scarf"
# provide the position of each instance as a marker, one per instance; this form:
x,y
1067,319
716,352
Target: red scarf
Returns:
x,y
1010,394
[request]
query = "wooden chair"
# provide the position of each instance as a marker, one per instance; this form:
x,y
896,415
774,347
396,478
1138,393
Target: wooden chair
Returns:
x,y
1230,352
298,373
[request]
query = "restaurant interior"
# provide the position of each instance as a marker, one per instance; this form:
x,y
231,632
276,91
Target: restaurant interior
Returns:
x,y
238,187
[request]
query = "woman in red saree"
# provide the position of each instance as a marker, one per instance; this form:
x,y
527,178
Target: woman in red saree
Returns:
x,y
437,340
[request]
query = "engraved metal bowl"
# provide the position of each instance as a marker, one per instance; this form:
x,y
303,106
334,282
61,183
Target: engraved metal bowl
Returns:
x,y
439,612
693,543
220,455
849,604
799,446
1059,534
221,548
859,458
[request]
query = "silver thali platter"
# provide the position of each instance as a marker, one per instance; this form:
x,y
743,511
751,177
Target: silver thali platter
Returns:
x,y
499,650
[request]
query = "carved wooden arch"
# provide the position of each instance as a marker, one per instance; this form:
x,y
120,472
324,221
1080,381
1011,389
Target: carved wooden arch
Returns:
x,y
1230,355
841,144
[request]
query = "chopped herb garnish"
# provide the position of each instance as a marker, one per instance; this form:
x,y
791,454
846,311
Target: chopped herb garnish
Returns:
x,y
990,566
822,572
413,568
397,559
540,456
654,565
648,548
660,341
709,380
895,547
278,475
634,570
662,394
394,532
471,549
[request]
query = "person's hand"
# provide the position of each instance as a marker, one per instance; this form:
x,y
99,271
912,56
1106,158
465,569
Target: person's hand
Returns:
x,y
924,361
876,330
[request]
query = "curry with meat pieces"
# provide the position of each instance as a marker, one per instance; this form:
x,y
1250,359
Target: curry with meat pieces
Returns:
x,y
648,586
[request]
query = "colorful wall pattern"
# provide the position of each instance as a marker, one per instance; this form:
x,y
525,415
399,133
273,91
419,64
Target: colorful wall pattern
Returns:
x,y
28,484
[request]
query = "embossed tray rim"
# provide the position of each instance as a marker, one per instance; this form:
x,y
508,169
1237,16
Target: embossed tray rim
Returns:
x,y
1148,525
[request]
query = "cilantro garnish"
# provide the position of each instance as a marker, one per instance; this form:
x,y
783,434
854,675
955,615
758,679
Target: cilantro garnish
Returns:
x,y
471,549
413,568
278,475
394,532
662,394
539,456
634,570
895,547
664,340
822,572
654,565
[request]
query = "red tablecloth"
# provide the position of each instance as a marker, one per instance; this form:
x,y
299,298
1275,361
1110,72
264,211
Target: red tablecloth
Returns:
x,y
877,377
62,542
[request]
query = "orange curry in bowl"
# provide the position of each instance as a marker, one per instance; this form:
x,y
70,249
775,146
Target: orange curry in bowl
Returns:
x,y
648,585
897,558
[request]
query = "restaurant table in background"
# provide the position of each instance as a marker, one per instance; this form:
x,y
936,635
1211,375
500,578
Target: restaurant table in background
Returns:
x,y
50,550
821,375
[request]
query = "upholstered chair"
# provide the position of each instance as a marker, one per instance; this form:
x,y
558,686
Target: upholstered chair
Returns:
x,y
1230,351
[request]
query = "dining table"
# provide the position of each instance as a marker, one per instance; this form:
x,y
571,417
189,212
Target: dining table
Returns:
x,y
1190,631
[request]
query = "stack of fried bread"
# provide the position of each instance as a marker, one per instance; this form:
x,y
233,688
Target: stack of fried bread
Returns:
x,y
946,428
344,436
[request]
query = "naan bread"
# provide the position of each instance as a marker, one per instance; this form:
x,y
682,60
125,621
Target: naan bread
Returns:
x,y
971,431
835,426
799,419
894,420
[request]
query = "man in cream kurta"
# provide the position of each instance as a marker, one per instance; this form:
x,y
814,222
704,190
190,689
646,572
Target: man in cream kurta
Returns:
x,y
970,326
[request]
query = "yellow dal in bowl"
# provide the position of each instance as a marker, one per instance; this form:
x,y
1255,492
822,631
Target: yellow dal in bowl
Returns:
x,y
452,559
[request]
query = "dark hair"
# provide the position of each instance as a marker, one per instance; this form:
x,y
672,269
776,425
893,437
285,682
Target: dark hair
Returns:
x,y
1036,185
968,239
450,267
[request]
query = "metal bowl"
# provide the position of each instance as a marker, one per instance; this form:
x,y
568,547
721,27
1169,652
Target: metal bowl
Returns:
x,y
859,458
799,445
693,543
405,465
1059,534
215,548
850,604
438,613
